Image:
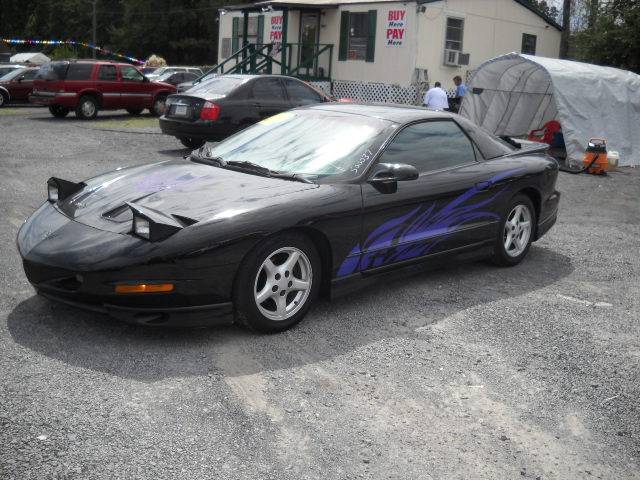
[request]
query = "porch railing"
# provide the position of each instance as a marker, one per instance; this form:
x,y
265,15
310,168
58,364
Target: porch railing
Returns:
x,y
309,62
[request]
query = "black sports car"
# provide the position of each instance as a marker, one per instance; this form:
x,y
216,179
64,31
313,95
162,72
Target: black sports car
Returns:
x,y
256,227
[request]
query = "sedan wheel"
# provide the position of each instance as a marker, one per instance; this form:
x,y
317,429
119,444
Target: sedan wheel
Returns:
x,y
516,231
283,283
277,283
3,100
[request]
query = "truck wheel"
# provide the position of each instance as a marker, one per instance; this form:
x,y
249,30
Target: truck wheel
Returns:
x,y
58,111
158,107
87,108
191,143
134,111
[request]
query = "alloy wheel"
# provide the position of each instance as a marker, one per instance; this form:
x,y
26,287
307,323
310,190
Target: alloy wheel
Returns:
x,y
283,283
88,108
517,231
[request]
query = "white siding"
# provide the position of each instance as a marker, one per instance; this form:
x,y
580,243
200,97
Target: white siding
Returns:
x,y
491,28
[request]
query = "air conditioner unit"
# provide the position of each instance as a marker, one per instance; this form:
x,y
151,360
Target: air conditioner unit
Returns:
x,y
455,58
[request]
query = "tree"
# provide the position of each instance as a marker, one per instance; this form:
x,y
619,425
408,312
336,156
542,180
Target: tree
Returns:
x,y
566,28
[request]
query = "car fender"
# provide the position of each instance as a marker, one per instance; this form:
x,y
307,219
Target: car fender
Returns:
x,y
6,92
90,91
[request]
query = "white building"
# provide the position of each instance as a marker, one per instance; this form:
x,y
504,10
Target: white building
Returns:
x,y
381,45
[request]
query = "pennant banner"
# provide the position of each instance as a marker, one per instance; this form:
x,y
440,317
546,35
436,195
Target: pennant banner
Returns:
x,y
104,51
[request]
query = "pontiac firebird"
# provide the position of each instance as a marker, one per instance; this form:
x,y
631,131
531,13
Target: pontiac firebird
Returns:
x,y
254,228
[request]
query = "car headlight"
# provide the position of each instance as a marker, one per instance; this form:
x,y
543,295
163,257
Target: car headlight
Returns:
x,y
141,227
154,225
58,189
52,192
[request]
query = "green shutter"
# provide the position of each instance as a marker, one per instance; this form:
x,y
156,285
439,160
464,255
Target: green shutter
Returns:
x,y
344,36
260,39
371,41
234,34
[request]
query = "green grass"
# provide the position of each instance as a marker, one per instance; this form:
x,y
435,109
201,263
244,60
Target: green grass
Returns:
x,y
12,111
125,122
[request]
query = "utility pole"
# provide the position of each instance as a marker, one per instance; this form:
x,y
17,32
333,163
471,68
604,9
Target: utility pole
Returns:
x,y
94,25
566,28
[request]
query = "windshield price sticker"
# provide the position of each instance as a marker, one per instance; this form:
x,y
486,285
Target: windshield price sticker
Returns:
x,y
365,157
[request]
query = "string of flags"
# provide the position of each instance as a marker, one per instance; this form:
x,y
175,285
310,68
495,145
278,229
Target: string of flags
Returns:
x,y
104,51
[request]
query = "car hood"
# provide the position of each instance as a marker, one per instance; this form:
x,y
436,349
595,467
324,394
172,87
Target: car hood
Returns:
x,y
180,187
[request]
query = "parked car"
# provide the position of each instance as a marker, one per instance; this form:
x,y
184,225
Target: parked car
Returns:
x,y
302,203
183,87
218,108
16,85
176,78
89,86
8,67
163,70
148,70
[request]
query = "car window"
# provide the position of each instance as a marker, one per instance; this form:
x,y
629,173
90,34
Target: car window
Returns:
x,y
301,93
430,146
79,71
217,86
130,74
107,73
267,89
12,74
53,71
30,74
489,145
188,77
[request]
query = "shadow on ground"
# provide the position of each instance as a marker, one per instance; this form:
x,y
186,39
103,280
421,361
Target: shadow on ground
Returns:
x,y
390,306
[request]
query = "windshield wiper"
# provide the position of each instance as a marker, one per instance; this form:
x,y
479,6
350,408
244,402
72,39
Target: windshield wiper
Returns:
x,y
260,170
215,161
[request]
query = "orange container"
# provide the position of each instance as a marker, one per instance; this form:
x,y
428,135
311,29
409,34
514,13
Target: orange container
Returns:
x,y
597,149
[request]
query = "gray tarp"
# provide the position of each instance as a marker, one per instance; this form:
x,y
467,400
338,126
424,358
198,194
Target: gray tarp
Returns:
x,y
515,93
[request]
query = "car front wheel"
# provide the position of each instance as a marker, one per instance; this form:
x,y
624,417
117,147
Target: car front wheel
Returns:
x,y
192,143
58,111
277,283
87,108
3,99
516,232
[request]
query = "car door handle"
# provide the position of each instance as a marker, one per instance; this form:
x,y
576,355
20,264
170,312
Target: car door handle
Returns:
x,y
484,185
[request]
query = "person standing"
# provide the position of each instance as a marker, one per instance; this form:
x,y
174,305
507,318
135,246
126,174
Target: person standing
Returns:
x,y
461,91
436,98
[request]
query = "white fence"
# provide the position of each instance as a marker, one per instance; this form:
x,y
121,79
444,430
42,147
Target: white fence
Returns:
x,y
375,92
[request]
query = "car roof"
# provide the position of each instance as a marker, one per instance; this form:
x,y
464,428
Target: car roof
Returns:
x,y
386,111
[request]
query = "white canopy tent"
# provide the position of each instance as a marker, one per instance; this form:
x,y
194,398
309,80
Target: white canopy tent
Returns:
x,y
34,58
516,93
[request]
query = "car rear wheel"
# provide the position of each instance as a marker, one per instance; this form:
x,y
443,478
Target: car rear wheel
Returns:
x,y
277,282
58,111
516,232
3,99
87,108
134,111
191,143
158,107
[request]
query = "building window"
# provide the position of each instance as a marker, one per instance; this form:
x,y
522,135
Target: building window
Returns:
x,y
529,43
357,36
455,30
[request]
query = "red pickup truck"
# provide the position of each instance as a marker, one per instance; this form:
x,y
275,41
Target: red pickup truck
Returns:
x,y
88,86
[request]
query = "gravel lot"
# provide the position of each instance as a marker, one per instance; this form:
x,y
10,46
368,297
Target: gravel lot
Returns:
x,y
468,372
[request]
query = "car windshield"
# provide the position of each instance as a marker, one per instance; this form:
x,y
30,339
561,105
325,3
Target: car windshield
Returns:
x,y
314,143
164,76
11,75
217,86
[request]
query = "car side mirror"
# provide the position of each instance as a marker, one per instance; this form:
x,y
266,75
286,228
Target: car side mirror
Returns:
x,y
145,79
20,80
385,176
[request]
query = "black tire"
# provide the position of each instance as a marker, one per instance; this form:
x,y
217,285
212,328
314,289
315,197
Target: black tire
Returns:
x,y
134,111
158,107
251,274
58,111
4,99
510,257
192,143
87,108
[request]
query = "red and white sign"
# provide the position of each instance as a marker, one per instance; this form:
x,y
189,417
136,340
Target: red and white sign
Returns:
x,y
275,33
396,27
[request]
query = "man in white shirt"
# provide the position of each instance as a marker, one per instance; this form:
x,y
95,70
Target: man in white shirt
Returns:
x,y
436,98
